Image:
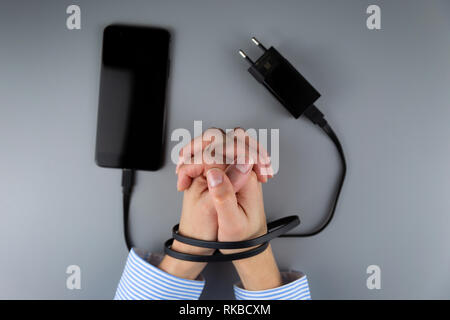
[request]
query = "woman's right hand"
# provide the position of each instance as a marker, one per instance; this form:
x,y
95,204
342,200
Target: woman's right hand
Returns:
x,y
241,216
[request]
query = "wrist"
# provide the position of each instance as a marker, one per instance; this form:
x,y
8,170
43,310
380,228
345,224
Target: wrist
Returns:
x,y
181,268
259,272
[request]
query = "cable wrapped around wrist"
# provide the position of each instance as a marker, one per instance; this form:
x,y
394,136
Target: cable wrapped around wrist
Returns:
x,y
274,229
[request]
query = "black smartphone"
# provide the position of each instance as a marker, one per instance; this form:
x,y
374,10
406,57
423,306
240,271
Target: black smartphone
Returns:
x,y
132,98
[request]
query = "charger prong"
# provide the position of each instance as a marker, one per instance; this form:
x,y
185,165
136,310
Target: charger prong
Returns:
x,y
245,56
259,44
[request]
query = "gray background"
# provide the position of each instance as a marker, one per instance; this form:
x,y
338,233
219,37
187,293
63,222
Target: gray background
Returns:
x,y
385,92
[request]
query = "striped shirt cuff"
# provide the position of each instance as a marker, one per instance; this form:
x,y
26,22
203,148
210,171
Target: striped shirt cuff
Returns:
x,y
142,280
295,288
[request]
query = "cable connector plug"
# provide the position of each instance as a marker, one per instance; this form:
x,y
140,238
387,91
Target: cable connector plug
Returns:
x,y
315,115
127,181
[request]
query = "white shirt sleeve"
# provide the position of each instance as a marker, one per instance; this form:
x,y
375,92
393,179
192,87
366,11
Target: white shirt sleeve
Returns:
x,y
295,287
142,280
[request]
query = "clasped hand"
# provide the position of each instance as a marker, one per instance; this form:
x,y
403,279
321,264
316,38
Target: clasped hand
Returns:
x,y
221,176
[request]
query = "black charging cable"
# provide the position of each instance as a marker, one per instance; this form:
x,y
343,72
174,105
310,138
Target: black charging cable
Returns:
x,y
317,117
274,229
127,190
298,96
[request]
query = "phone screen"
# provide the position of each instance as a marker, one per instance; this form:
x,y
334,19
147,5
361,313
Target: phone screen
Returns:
x,y
131,111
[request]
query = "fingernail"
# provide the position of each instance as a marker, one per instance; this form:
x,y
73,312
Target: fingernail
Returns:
x,y
214,177
244,167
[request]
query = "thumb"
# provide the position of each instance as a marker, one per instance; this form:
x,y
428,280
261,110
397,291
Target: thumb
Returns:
x,y
222,194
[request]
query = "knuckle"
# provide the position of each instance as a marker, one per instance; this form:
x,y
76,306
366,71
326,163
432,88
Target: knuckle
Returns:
x,y
213,131
224,199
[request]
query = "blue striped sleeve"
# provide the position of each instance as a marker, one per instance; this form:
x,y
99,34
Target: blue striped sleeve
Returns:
x,y
295,288
142,280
